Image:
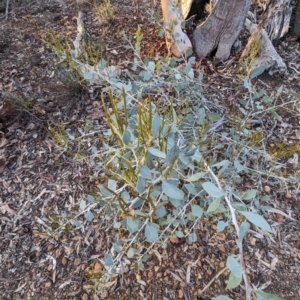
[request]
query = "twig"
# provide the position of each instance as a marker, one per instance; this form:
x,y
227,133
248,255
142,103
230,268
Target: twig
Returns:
x,y
213,279
237,229
6,9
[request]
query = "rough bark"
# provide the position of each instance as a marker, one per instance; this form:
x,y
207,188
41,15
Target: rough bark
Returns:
x,y
278,19
177,41
268,57
296,25
221,28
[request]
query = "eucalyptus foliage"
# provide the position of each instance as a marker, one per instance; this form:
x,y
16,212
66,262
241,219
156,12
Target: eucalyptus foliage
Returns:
x,y
170,162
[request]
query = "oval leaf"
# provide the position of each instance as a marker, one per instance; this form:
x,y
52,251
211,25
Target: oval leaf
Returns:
x,y
221,297
141,185
212,190
257,220
243,230
214,205
89,216
156,122
151,233
266,296
250,194
195,176
234,266
197,211
145,172
172,191
233,281
157,152
132,225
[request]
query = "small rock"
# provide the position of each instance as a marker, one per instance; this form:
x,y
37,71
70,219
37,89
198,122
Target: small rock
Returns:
x,y
174,240
222,249
288,196
252,241
180,294
77,261
279,217
85,297
48,284
267,189
138,277
98,267
156,268
104,295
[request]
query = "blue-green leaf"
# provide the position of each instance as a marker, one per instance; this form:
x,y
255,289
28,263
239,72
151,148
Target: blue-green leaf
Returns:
x,y
108,260
239,167
257,220
195,176
221,225
156,123
141,184
212,190
151,233
151,66
266,296
131,252
161,212
233,281
89,216
214,205
234,266
172,191
192,237
126,137
156,152
243,230
145,172
257,71
133,225
91,198
197,211
222,297
82,204
250,194
173,152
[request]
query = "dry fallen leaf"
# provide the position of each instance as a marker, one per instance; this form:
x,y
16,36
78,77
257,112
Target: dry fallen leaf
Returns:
x,y
3,163
5,109
279,217
98,267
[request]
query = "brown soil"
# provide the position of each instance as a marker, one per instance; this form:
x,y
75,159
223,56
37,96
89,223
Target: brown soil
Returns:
x,y
40,181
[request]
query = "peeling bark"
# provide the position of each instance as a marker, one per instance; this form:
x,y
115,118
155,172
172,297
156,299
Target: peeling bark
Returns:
x,y
268,56
221,28
278,19
177,41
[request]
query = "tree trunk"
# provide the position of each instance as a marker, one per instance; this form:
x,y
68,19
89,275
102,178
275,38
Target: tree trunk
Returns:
x,y
177,41
278,19
296,26
221,28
